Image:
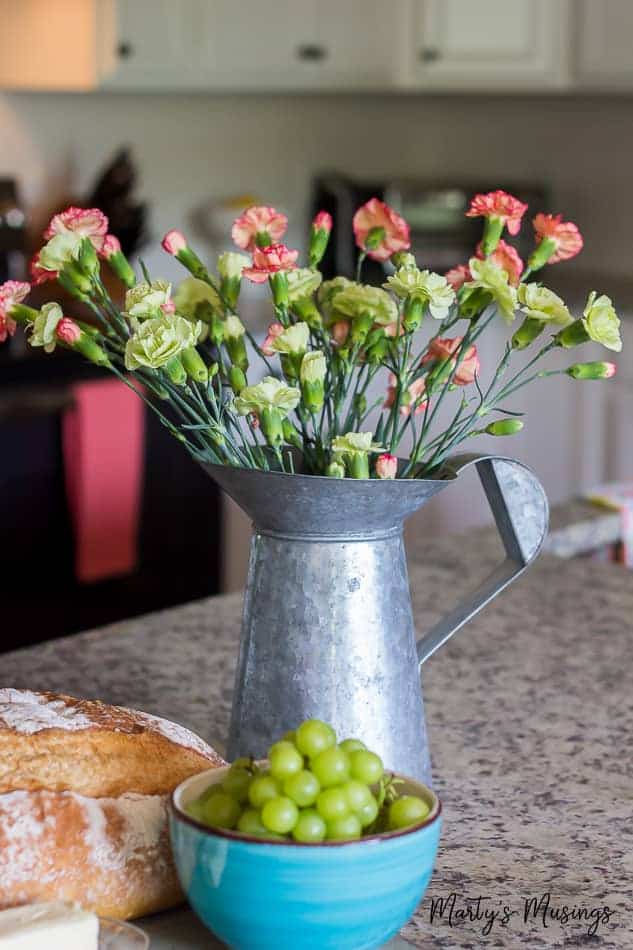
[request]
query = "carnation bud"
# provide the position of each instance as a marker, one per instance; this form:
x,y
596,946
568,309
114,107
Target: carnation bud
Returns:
x,y
504,427
67,331
117,261
319,237
413,312
335,470
312,374
527,333
291,436
175,244
237,380
597,370
386,465
194,365
272,426
573,335
176,371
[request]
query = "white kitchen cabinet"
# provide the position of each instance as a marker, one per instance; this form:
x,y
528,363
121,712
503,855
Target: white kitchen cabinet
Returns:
x,y
251,46
604,44
492,45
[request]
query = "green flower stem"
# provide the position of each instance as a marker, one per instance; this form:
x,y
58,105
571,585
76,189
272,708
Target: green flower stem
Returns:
x,y
359,265
542,352
106,300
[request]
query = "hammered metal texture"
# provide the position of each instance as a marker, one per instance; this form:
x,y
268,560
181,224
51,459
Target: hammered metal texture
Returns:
x,y
327,627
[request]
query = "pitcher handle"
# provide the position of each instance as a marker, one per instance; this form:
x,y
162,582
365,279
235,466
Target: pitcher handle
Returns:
x,y
521,512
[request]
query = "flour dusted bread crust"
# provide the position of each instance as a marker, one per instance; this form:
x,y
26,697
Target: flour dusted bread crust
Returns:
x,y
83,802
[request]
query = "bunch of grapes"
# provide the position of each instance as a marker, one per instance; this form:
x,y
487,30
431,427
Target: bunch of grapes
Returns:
x,y
313,789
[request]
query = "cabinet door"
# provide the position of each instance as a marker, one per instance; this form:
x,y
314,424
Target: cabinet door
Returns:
x,y
489,44
299,44
604,40
148,44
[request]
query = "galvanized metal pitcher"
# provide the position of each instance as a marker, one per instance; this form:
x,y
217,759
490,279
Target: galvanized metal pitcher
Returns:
x,y
327,628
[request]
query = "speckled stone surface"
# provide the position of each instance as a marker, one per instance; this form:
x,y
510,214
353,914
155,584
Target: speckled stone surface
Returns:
x,y
530,713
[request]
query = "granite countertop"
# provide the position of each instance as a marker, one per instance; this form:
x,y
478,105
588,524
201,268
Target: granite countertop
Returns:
x,y
530,713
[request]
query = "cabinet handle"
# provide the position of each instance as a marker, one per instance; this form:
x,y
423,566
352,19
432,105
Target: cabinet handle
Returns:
x,y
429,54
125,50
312,53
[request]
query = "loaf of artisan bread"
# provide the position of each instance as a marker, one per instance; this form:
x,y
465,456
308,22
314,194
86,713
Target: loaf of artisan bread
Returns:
x,y
83,802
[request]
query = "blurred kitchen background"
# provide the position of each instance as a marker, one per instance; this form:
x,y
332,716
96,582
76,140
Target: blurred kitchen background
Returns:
x,y
177,113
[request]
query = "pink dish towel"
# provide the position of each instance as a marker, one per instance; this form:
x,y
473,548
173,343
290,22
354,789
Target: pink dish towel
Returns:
x,y
103,445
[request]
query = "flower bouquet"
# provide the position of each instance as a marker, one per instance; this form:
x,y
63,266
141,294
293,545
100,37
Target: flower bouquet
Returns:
x,y
189,356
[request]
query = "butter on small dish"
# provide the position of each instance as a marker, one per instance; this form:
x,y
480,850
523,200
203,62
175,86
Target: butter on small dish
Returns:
x,y
54,925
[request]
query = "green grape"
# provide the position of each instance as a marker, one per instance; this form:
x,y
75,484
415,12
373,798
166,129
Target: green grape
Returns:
x,y
243,763
366,766
343,828
209,793
407,810
290,736
332,803
358,795
236,783
331,766
351,745
368,813
310,826
196,810
280,815
262,789
314,736
221,811
250,823
285,760
303,788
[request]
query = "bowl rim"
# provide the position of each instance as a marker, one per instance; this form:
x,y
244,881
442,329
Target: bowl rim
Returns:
x,y
181,815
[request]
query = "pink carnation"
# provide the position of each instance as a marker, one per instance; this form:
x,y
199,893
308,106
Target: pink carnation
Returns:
x,y
386,465
416,396
174,242
323,221
498,204
443,349
457,276
67,331
377,214
274,330
255,221
12,292
564,234
111,246
38,274
507,258
86,222
270,260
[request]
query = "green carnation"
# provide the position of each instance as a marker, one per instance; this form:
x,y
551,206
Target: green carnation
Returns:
x,y
601,321
539,303
158,339
302,283
231,264
190,293
294,340
144,301
493,280
329,290
44,326
361,300
313,367
427,286
355,442
60,250
234,329
269,394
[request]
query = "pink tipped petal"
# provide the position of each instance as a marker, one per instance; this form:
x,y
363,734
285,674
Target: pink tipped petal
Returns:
x,y
457,276
12,292
386,465
259,219
377,214
498,204
174,242
323,222
270,260
564,234
39,274
87,222
67,331
111,245
274,330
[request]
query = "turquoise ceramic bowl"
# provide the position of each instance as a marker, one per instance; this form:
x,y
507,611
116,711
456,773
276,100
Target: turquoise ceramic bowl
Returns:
x,y
258,895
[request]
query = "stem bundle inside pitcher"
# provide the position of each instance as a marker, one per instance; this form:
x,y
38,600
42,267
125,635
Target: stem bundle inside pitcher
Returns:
x,y
351,371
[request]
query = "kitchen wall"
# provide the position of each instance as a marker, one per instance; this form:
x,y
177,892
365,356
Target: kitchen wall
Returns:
x,y
190,147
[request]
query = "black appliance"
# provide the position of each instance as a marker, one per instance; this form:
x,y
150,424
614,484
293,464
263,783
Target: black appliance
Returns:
x,y
441,236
